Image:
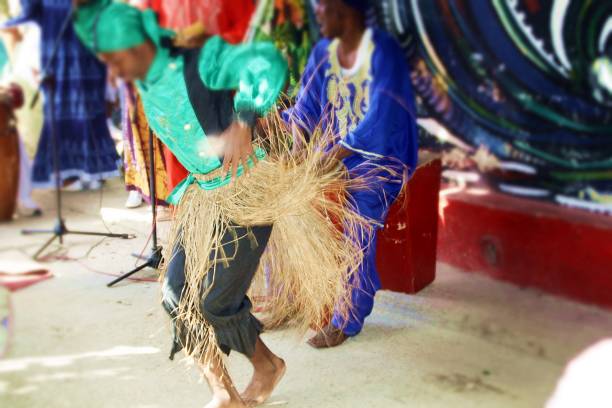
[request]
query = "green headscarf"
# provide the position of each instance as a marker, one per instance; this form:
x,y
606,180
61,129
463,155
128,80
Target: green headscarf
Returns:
x,y
107,26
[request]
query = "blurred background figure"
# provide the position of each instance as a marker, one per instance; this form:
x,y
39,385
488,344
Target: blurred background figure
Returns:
x,y
23,68
229,19
86,150
291,26
18,71
136,152
586,381
15,181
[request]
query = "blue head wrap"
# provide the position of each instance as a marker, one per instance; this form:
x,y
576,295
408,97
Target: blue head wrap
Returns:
x,y
361,5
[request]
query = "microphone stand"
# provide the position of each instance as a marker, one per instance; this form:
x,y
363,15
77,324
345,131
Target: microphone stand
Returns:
x,y
155,257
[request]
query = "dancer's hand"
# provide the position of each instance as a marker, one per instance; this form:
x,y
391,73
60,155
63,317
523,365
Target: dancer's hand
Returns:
x,y
238,147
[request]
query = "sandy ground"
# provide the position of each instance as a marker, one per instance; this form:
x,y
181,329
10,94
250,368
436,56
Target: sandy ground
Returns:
x,y
466,341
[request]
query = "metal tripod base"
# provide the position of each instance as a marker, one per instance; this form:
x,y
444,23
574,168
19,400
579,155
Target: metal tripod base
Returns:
x,y
155,258
153,261
60,230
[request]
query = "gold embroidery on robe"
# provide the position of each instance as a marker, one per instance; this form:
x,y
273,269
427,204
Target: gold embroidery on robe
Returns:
x,y
341,89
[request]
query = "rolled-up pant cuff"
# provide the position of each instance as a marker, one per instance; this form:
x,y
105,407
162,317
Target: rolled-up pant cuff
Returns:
x,y
238,333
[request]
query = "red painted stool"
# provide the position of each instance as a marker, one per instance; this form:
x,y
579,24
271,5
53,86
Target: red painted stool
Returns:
x,y
406,251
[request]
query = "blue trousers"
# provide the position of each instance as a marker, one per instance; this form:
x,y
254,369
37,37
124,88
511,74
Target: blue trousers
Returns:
x,y
374,204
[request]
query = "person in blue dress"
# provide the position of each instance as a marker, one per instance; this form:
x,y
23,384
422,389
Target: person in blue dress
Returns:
x,y
358,83
86,150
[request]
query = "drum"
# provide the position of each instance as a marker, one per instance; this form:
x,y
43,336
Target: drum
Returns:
x,y
9,160
406,252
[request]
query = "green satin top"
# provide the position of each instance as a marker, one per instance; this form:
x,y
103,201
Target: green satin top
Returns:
x,y
256,71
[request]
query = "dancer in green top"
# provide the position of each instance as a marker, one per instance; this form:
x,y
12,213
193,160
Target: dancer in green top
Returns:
x,y
203,104
135,48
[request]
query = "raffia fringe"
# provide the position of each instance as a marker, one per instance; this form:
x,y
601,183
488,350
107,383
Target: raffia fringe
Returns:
x,y
313,253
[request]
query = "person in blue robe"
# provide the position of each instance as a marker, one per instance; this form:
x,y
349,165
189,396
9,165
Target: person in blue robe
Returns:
x,y
357,83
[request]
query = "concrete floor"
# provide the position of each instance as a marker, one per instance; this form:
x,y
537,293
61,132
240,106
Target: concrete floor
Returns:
x,y
466,341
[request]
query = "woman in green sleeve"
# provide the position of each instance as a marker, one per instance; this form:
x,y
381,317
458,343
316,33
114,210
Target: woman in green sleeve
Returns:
x,y
203,104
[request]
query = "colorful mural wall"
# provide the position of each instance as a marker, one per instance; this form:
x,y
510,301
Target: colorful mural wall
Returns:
x,y
522,88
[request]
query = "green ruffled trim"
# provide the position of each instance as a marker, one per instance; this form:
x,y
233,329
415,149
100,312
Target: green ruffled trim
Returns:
x,y
177,194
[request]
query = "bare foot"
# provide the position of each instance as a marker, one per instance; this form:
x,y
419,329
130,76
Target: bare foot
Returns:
x,y
223,403
224,392
269,370
328,337
264,382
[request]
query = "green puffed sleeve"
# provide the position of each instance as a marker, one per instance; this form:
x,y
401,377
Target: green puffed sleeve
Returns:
x,y
257,71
